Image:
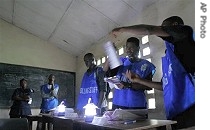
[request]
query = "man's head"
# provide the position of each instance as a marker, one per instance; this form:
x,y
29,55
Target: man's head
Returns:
x,y
132,47
23,83
89,60
172,21
51,79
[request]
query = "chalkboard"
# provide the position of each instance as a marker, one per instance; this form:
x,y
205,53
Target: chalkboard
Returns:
x,y
10,76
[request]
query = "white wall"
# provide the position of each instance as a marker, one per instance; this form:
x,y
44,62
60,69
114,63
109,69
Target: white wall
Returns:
x,y
153,15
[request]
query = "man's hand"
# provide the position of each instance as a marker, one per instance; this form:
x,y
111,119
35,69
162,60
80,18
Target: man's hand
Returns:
x,y
123,85
26,98
131,76
120,85
53,86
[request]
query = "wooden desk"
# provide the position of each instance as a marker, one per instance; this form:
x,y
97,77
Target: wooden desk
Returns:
x,y
74,124
47,119
32,118
44,118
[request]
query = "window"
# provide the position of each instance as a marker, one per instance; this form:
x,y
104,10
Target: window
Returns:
x,y
109,105
103,59
139,54
151,103
98,62
149,59
151,91
121,51
145,39
110,95
146,51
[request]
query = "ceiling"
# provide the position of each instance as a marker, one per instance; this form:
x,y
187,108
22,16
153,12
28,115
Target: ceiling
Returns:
x,y
72,25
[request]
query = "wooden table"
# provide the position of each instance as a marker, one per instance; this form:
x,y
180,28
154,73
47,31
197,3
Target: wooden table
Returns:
x,y
32,118
62,123
47,119
44,118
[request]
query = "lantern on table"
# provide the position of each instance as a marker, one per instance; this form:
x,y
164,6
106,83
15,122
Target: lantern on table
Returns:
x,y
60,110
90,111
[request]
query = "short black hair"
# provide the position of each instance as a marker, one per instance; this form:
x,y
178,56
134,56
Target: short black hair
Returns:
x,y
51,75
89,54
23,79
134,40
175,19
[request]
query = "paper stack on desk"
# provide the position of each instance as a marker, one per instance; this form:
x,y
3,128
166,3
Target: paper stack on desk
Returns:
x,y
127,114
100,120
69,113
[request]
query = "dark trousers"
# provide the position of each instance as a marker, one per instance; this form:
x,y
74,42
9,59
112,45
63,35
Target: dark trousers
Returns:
x,y
185,119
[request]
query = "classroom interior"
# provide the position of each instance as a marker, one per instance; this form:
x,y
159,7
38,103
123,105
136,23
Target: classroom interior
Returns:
x,y
26,40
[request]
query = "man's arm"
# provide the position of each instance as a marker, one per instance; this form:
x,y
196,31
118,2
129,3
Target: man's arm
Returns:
x,y
16,96
54,91
138,86
102,86
141,29
135,79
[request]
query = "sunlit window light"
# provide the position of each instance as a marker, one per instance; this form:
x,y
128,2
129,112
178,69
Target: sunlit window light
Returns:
x,y
109,105
98,61
103,59
146,51
151,103
139,56
151,91
110,95
121,51
145,39
149,59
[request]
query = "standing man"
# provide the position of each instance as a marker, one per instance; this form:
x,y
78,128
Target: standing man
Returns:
x,y
178,67
92,86
49,93
21,101
131,95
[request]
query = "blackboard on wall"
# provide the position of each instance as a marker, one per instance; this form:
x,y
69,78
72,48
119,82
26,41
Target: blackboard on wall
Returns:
x,y
10,76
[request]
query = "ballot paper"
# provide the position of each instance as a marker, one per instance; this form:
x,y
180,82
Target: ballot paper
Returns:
x,y
113,81
100,120
69,112
113,57
126,114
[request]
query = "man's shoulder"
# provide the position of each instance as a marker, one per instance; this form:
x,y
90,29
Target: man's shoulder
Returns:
x,y
178,28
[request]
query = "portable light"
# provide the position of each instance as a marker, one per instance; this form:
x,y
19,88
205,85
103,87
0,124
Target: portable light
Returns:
x,y
90,111
60,110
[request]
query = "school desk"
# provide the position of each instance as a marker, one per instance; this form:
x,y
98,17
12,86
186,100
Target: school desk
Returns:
x,y
63,123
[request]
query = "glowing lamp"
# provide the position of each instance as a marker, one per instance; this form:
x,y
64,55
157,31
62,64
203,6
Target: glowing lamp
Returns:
x,y
60,110
90,111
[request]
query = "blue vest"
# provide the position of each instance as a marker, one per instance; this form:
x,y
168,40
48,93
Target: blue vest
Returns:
x,y
88,89
48,103
130,97
178,88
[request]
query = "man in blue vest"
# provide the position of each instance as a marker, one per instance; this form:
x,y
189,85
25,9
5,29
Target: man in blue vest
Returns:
x,y
178,66
92,86
131,95
49,93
